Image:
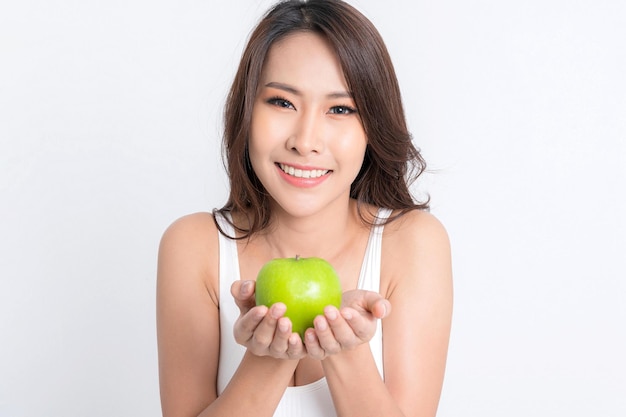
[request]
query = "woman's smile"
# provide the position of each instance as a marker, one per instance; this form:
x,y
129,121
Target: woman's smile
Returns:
x,y
302,172
302,176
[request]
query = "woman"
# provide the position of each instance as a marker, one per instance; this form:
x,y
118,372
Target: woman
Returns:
x,y
320,163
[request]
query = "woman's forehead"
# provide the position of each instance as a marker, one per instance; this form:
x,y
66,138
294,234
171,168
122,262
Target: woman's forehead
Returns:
x,y
304,59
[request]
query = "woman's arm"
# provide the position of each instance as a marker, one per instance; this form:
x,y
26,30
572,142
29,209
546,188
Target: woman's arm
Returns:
x,y
418,284
188,333
416,335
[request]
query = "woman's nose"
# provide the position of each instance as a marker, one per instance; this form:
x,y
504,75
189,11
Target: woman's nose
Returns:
x,y
305,137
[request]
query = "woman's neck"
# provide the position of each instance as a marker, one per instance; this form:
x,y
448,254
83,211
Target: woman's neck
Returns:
x,y
324,234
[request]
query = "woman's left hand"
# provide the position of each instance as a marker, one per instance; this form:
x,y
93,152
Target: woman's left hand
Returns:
x,y
347,328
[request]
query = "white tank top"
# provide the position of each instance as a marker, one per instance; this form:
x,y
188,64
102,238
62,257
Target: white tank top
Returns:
x,y
311,400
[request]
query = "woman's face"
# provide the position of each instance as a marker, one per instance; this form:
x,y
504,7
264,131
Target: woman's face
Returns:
x,y
307,142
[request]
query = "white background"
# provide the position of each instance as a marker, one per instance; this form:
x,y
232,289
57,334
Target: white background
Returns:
x,y
110,127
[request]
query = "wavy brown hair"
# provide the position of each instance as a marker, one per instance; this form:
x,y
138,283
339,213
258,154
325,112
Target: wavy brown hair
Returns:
x,y
391,162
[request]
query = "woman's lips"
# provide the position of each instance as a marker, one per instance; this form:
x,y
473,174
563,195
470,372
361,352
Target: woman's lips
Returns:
x,y
302,177
302,172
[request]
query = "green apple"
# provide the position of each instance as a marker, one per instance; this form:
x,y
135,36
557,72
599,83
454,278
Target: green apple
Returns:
x,y
304,285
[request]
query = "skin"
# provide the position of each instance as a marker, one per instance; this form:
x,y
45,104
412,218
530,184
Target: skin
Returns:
x,y
302,117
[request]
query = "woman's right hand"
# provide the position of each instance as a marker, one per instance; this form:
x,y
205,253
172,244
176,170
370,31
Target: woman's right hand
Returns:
x,y
264,331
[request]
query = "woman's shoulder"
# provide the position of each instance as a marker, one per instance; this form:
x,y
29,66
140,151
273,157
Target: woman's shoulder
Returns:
x,y
416,256
192,228
414,240
189,248
416,226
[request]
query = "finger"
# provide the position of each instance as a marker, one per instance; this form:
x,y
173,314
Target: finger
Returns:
x,y
381,309
363,326
242,289
246,325
312,345
341,329
376,304
243,293
280,343
296,348
325,336
264,332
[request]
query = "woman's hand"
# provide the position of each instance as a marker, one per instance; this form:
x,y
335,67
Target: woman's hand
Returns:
x,y
345,329
264,331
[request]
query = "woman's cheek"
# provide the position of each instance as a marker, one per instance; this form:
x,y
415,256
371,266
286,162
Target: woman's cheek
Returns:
x,y
269,127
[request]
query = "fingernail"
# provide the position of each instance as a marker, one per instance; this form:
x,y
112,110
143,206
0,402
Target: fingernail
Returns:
x,y
321,325
245,286
346,314
278,310
283,326
331,313
259,312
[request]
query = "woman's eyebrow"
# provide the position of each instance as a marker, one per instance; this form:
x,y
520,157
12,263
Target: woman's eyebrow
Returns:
x,y
284,87
290,89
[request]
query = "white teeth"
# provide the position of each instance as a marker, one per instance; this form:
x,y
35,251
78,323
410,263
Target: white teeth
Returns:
x,y
303,173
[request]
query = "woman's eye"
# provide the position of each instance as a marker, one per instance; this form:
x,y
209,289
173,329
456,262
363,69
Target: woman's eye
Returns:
x,y
281,102
342,110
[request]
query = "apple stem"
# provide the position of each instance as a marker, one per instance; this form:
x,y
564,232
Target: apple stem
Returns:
x,y
297,257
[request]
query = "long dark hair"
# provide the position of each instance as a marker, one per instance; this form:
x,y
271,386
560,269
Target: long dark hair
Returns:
x,y
391,162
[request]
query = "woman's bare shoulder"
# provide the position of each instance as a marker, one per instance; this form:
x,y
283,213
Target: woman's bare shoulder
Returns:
x,y
416,247
189,248
197,230
191,223
416,227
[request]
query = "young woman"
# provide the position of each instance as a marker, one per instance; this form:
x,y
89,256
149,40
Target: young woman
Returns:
x,y
320,163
